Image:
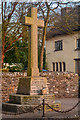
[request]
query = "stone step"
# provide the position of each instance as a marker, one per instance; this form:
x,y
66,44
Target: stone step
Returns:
x,y
25,103
30,99
24,99
17,108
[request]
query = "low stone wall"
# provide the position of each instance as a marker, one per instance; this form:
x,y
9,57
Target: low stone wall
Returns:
x,y
10,83
60,84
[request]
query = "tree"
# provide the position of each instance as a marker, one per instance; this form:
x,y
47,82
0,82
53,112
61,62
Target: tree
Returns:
x,y
12,28
5,22
56,21
66,22
45,8
18,54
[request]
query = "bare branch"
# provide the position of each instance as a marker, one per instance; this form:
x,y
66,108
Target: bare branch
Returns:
x,y
12,43
9,16
2,11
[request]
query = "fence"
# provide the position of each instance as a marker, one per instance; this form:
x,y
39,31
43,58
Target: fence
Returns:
x,y
59,111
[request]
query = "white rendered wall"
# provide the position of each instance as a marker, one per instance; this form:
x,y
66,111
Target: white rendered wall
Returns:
x,y
67,55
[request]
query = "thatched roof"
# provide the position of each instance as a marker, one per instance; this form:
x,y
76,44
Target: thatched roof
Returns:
x,y
61,31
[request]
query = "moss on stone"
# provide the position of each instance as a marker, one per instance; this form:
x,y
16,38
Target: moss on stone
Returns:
x,y
24,86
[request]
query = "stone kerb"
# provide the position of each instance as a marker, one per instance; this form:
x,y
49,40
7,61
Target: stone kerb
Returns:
x,y
60,84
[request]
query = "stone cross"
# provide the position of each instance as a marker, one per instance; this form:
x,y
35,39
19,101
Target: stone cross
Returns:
x,y
33,42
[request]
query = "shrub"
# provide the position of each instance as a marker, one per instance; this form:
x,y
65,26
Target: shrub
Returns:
x,y
16,68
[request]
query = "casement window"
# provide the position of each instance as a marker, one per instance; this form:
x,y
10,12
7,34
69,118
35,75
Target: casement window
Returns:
x,y
64,66
53,66
58,45
78,43
59,66
56,66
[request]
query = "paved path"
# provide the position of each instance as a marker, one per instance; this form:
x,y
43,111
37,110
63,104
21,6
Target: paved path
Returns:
x,y
66,104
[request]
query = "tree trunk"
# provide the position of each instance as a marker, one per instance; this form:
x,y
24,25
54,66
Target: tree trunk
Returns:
x,y
43,40
2,62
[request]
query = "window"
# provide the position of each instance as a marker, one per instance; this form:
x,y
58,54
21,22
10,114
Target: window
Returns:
x,y
56,66
78,43
53,66
58,45
64,66
60,66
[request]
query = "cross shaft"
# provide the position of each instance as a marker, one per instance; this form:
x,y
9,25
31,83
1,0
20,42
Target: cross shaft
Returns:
x,y
33,45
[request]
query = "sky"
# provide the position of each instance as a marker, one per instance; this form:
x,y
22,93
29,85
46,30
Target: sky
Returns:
x,y
65,1
0,11
38,0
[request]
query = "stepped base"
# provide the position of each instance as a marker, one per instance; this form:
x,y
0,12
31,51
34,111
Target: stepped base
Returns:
x,y
30,99
25,103
16,108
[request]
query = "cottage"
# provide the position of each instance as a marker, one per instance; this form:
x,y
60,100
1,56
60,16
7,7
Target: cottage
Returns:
x,y
63,49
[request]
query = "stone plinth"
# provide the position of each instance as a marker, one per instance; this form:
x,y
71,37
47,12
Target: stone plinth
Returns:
x,y
25,103
32,85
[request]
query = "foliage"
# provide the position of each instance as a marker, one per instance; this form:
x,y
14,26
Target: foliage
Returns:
x,y
14,33
12,28
19,54
79,77
15,68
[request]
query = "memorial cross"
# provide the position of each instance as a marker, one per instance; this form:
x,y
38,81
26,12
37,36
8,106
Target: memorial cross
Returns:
x,y
33,42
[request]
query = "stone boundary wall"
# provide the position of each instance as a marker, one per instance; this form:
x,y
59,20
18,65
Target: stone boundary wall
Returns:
x,y
63,85
60,84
